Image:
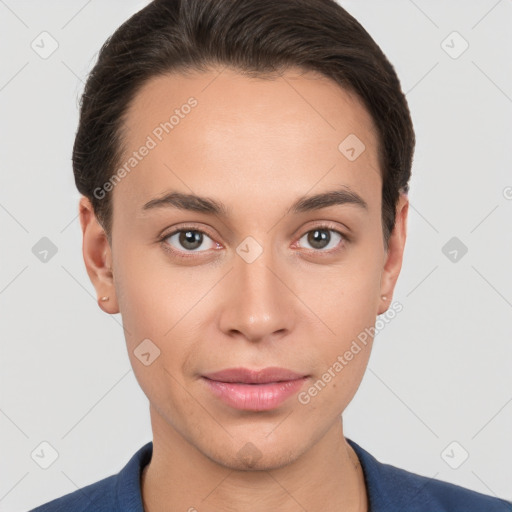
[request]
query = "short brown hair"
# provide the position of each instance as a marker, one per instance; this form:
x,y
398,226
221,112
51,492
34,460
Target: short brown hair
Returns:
x,y
255,37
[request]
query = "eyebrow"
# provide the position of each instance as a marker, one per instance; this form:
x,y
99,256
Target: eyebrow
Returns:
x,y
210,206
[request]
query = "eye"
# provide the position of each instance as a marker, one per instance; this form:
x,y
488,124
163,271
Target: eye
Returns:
x,y
188,240
323,238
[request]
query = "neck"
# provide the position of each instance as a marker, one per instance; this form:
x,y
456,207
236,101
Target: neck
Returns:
x,y
328,477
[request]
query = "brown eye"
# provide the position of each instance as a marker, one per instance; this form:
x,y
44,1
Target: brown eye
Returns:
x,y
188,240
322,239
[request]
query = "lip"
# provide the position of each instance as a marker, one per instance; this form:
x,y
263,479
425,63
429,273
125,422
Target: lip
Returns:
x,y
248,376
254,390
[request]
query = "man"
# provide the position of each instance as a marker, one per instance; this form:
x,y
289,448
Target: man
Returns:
x,y
244,167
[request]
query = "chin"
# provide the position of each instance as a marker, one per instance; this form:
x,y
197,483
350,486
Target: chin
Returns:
x,y
256,456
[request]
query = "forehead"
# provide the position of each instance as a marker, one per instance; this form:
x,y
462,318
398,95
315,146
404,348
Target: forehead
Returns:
x,y
209,128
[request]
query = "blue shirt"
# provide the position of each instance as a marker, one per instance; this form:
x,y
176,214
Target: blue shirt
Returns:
x,y
390,489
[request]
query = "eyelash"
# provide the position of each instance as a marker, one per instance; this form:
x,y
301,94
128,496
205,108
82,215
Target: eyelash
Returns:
x,y
191,254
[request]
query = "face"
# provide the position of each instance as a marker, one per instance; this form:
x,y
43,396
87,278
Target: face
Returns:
x,y
253,275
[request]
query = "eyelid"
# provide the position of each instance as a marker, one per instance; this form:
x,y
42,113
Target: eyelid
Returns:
x,y
325,224
186,226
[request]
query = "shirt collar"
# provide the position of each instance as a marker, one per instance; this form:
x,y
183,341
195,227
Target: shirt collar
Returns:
x,y
129,495
128,490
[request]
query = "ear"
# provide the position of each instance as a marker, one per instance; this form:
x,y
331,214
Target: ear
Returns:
x,y
394,254
97,256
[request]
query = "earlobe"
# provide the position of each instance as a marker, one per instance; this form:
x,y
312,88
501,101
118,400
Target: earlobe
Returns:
x,y
394,255
97,256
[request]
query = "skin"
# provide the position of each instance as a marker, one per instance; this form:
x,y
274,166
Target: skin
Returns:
x,y
256,145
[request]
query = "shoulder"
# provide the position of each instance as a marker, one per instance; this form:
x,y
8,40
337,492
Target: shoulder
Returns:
x,y
98,494
391,488
119,492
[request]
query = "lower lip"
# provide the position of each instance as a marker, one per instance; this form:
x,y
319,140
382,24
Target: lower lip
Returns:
x,y
254,397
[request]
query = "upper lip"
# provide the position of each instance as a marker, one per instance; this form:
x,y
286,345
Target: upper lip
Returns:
x,y
248,376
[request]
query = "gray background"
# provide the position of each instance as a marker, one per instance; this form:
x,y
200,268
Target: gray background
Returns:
x,y
440,371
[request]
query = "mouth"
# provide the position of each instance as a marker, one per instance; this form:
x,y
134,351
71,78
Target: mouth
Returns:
x,y
268,375
254,390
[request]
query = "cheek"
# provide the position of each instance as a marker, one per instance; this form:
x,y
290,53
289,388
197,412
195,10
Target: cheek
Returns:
x,y
336,381
154,297
345,296
341,361
161,308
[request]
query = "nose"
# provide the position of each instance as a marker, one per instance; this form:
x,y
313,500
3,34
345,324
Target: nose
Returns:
x,y
258,303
